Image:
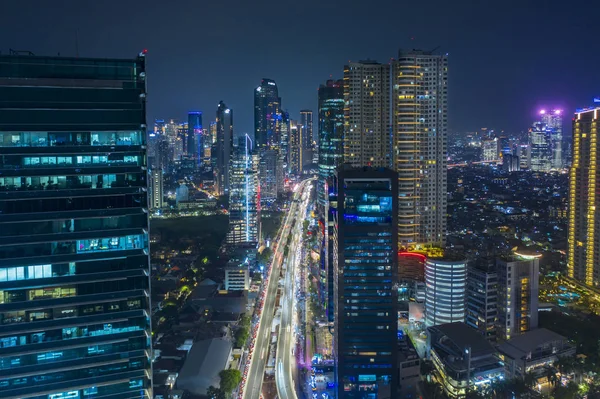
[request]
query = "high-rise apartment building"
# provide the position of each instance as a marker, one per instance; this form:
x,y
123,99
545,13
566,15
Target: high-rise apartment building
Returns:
x,y
331,134
156,189
584,205
74,265
482,297
224,146
518,290
366,327
267,114
243,194
419,127
367,140
445,281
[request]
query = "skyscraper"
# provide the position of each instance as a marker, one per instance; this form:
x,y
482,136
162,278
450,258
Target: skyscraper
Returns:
x,y
306,120
367,140
267,114
268,174
366,315
243,194
518,291
553,121
156,189
584,204
195,145
74,265
331,134
540,143
295,148
419,129
224,146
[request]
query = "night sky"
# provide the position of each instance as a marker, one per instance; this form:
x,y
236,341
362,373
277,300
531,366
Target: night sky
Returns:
x,y
507,58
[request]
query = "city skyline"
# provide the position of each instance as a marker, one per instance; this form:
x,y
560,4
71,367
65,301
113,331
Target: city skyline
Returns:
x,y
476,41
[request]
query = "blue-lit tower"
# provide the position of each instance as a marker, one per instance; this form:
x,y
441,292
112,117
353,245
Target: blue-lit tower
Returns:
x,y
195,146
365,283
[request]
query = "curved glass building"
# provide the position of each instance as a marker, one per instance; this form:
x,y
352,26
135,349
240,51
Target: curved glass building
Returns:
x,y
445,281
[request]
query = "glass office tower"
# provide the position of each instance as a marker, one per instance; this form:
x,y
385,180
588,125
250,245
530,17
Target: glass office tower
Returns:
x,y
74,264
366,272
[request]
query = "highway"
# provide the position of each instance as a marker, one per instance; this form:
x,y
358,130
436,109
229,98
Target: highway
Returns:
x,y
286,342
259,350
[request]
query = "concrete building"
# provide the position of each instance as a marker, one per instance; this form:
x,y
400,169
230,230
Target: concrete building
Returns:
x,y
419,145
409,369
533,352
482,297
182,193
365,325
518,290
367,140
237,276
463,359
584,228
445,279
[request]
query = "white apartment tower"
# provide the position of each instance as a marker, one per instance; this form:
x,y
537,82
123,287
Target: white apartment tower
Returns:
x,y
367,140
156,189
419,130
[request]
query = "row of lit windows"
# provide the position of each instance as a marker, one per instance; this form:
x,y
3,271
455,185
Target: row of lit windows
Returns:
x,y
72,182
51,139
79,160
93,330
22,316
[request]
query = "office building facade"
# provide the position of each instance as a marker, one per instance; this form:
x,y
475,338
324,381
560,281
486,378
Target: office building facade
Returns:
x,y
223,146
419,127
74,264
445,281
367,140
482,297
331,134
365,267
244,208
584,207
518,291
